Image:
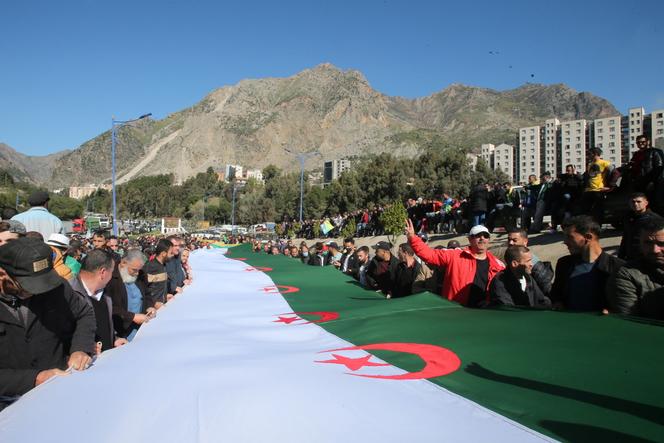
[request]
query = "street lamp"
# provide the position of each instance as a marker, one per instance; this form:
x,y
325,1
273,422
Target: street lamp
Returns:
x,y
115,124
233,208
301,157
236,186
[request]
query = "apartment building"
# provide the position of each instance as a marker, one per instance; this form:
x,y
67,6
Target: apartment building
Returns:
x,y
574,143
503,159
551,143
657,128
334,168
607,136
529,152
556,144
635,120
487,154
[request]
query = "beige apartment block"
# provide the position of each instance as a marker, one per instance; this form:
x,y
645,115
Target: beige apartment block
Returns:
x,y
573,143
606,135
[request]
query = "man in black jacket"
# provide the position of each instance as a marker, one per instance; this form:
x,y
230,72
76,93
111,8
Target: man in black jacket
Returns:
x,y
359,267
348,259
639,216
45,328
129,302
97,269
317,258
566,192
479,200
514,286
580,282
174,269
154,276
407,270
382,268
646,170
542,271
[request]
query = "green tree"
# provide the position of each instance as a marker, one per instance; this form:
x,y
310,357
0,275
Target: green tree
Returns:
x,y
349,229
393,219
65,208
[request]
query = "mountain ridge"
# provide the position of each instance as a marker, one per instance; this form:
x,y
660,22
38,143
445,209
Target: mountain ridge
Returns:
x,y
331,112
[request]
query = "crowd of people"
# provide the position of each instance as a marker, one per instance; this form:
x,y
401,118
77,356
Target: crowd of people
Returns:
x,y
66,299
588,279
525,205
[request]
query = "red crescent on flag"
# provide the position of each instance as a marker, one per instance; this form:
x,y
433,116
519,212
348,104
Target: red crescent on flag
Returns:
x,y
239,258
438,361
324,316
280,289
258,268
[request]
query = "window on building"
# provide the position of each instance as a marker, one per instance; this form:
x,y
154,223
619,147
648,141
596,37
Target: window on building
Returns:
x,y
611,144
532,137
612,136
578,160
600,130
612,122
660,131
613,151
578,145
599,123
532,163
660,122
660,115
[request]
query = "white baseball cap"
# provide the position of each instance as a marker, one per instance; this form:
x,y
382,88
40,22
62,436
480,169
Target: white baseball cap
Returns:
x,y
478,229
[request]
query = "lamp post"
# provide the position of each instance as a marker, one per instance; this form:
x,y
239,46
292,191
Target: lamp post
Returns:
x,y
233,208
301,157
236,186
115,125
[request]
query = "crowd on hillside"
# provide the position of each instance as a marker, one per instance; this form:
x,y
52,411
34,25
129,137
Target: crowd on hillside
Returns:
x,y
588,279
600,192
66,299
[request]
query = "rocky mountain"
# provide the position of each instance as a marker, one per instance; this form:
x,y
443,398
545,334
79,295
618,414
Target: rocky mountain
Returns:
x,y
325,111
32,169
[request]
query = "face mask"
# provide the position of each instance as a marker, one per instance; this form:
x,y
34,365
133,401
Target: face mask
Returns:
x,y
305,254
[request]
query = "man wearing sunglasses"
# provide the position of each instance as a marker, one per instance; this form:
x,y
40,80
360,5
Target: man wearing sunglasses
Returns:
x,y
647,171
469,271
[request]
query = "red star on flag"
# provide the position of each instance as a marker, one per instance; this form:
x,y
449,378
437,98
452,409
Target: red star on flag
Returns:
x,y
287,320
353,363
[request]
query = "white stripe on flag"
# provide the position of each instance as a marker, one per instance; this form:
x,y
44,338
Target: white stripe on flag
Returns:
x,y
214,366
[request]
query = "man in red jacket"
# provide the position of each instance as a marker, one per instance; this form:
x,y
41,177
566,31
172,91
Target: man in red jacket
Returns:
x,y
469,271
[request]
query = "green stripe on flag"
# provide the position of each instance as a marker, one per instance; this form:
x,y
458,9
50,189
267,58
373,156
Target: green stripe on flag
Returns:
x,y
572,376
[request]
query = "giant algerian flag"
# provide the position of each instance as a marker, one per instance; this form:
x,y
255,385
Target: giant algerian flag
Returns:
x,y
263,348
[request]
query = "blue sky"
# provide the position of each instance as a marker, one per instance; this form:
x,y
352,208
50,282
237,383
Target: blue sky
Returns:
x,y
67,66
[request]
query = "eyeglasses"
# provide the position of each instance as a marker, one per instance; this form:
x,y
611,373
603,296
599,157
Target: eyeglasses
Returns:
x,y
482,234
